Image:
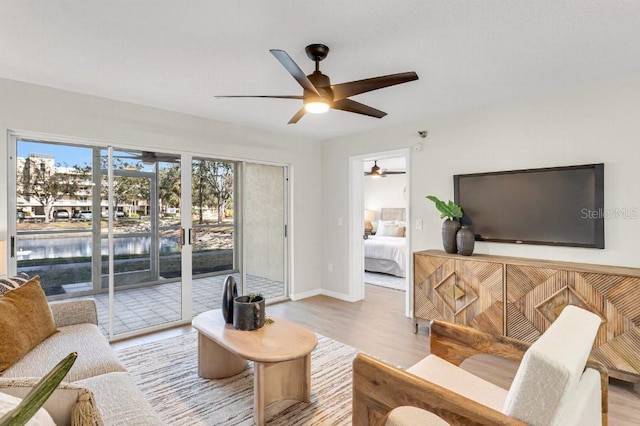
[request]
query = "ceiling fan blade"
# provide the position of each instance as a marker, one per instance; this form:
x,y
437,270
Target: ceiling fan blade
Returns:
x,y
298,116
387,172
353,106
263,96
344,90
153,157
294,70
377,175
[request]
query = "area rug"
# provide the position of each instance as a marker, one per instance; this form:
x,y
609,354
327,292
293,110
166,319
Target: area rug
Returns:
x,y
166,372
385,280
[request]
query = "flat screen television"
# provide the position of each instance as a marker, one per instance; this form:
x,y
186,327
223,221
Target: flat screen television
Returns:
x,y
560,206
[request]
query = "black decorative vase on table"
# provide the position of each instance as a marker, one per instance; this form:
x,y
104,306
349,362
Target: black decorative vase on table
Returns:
x,y
229,293
248,312
449,230
465,241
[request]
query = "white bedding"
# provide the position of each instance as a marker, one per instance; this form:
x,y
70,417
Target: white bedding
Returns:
x,y
385,254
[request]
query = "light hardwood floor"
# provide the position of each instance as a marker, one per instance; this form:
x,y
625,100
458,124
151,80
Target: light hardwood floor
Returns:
x,y
377,326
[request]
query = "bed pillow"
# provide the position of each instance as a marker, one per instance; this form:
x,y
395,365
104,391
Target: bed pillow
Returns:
x,y
11,283
25,321
387,229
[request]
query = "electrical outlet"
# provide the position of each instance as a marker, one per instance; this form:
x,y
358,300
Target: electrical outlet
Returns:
x,y
330,267
340,221
418,223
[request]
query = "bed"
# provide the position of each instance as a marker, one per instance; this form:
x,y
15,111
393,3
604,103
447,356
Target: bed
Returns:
x,y
386,250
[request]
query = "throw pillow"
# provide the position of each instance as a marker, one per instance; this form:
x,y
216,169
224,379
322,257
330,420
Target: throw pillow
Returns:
x,y
387,229
8,403
11,283
25,321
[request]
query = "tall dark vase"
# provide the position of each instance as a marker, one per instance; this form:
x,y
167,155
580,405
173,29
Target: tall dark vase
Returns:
x,y
449,231
229,292
465,241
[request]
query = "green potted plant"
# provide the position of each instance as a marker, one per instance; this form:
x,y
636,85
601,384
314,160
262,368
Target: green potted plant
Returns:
x,y
450,227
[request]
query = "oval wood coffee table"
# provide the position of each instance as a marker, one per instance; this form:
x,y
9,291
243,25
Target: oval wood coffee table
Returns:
x,y
281,355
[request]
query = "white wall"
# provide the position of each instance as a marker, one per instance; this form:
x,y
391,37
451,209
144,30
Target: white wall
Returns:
x,y
591,124
27,107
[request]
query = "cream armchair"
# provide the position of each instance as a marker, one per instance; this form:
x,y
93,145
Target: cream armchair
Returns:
x,y
556,382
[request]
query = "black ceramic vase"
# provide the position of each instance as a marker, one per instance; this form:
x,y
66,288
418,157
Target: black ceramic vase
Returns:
x,y
465,241
248,315
449,231
229,293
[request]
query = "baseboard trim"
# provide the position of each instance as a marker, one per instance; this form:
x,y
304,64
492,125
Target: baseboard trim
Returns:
x,y
300,296
336,295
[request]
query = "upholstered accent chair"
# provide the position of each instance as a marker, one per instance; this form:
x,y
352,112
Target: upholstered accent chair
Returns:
x,y
556,383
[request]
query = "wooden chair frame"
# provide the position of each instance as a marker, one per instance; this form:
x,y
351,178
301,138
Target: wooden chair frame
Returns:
x,y
378,387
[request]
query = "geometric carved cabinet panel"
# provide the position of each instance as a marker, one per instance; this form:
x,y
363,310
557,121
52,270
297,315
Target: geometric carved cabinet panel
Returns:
x,y
536,295
459,291
520,298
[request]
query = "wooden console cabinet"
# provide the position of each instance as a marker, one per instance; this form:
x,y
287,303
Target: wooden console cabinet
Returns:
x,y
520,298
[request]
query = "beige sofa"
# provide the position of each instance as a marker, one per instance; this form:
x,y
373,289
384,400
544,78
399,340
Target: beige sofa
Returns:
x,y
97,380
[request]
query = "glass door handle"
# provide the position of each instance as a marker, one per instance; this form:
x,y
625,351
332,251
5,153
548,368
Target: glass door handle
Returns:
x,y
192,237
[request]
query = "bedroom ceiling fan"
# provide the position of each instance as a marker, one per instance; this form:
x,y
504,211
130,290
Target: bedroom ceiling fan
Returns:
x,y
378,172
319,94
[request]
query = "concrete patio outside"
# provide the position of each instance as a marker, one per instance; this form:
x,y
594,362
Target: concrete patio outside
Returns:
x,y
142,307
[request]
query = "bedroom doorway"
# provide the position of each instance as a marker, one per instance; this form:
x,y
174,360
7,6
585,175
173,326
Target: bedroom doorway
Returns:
x,y
379,215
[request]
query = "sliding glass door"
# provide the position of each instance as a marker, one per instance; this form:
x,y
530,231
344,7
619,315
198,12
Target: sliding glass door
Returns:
x,y
101,222
141,233
150,236
225,194
213,230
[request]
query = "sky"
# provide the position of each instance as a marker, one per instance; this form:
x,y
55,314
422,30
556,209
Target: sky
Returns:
x,y
70,155
63,154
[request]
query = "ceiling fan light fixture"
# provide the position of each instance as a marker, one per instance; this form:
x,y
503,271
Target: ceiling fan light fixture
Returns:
x,y
319,95
376,172
316,106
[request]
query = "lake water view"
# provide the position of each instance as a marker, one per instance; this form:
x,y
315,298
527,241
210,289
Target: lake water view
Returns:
x,y
59,247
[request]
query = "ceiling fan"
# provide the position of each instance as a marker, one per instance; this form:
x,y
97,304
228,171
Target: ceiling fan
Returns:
x,y
148,157
376,171
319,94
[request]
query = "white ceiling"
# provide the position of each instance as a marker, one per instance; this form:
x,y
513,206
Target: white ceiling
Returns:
x,y
177,55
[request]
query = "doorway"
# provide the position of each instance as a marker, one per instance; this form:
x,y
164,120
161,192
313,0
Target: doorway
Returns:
x,y
379,217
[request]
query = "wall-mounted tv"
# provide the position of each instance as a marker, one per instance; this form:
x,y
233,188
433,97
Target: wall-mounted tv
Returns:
x,y
561,206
